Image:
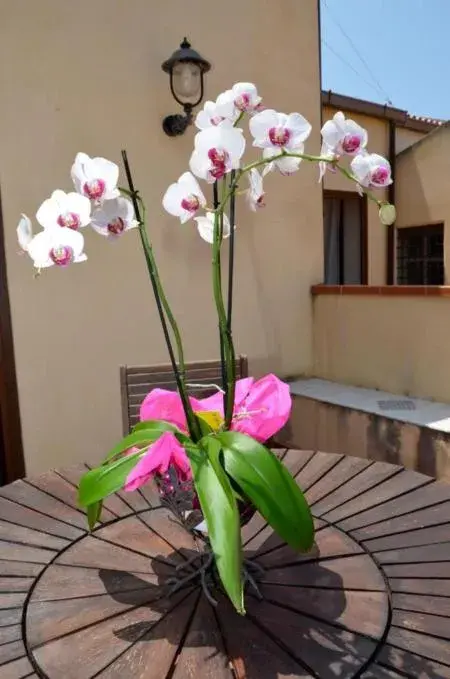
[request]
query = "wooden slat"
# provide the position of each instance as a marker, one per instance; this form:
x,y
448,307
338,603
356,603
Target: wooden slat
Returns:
x,y
137,381
254,653
109,639
345,470
390,488
202,647
113,503
371,476
420,644
30,518
328,543
424,623
335,606
411,538
421,519
72,582
135,535
17,669
33,498
353,572
31,537
308,639
422,586
438,605
410,664
429,495
317,468
438,552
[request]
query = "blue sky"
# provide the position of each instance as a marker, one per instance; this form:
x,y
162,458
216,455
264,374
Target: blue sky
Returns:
x,y
405,44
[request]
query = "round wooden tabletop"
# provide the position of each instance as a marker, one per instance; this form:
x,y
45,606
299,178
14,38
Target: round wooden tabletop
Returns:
x,y
371,600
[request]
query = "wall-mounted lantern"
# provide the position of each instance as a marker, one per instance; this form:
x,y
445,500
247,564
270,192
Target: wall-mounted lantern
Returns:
x,y
186,69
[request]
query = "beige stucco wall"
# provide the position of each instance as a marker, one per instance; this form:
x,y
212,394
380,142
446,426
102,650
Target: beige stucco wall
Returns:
x,y
397,344
404,138
378,131
86,76
423,183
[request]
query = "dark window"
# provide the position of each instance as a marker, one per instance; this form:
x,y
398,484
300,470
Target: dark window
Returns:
x,y
344,239
420,255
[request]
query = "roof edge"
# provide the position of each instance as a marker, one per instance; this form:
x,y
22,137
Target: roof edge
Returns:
x,y
399,116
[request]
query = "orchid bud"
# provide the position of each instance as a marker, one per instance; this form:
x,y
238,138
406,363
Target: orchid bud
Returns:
x,y
387,214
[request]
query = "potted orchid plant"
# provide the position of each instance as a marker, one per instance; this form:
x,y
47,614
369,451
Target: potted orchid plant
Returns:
x,y
214,446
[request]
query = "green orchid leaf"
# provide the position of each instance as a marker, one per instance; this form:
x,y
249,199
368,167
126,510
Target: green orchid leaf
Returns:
x,y
93,513
160,425
269,486
141,437
220,510
102,481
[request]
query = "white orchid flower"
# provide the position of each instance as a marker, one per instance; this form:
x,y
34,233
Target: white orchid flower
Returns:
x,y
284,164
114,217
344,136
24,232
274,130
219,112
62,209
183,198
205,226
371,170
95,178
255,194
56,246
217,150
324,166
245,97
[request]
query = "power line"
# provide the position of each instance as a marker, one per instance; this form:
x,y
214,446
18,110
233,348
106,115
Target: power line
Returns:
x,y
344,61
358,54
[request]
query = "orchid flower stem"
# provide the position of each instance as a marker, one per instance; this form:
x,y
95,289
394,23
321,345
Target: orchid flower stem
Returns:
x,y
216,203
226,339
232,377
286,154
163,306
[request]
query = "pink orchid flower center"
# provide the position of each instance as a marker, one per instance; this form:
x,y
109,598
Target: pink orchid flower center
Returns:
x,y
62,256
94,189
380,175
116,226
70,220
243,102
279,136
190,203
219,159
216,120
351,143
260,200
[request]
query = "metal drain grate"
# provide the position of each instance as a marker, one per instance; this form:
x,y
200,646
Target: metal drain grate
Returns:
x,y
393,404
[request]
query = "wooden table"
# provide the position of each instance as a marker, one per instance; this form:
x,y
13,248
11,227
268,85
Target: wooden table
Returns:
x,y
372,599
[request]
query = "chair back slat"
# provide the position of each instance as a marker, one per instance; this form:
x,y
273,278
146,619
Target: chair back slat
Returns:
x,y
137,381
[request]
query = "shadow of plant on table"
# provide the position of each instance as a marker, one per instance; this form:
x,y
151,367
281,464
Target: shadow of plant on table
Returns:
x,y
293,627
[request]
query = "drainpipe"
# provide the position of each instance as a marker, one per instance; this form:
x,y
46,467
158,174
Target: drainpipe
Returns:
x,y
390,240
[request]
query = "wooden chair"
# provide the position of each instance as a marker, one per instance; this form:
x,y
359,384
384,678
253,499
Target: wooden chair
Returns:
x,y
137,381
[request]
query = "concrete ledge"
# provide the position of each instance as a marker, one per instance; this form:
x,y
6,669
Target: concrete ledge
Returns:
x,y
344,421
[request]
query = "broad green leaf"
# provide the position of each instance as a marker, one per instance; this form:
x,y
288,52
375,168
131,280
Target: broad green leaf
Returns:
x,y
220,510
93,513
98,483
161,425
140,438
270,487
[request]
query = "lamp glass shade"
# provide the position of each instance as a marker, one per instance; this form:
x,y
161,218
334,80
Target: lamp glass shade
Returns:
x,y
186,81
